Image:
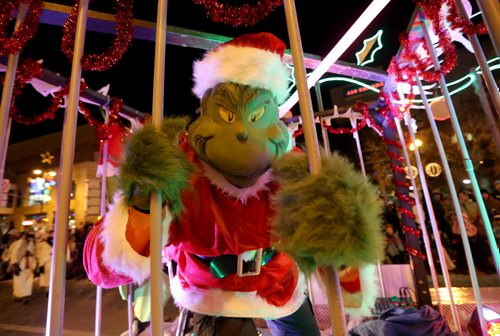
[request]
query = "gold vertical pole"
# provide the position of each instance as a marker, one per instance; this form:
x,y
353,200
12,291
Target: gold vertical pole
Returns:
x,y
55,309
491,13
8,87
331,279
156,200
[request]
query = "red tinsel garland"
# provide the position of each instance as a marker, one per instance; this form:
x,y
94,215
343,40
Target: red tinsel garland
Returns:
x,y
124,18
238,16
463,24
395,156
415,252
103,130
26,30
57,101
403,184
409,63
413,231
345,130
25,72
389,112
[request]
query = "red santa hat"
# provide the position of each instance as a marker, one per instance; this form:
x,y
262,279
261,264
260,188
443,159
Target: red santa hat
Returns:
x,y
251,59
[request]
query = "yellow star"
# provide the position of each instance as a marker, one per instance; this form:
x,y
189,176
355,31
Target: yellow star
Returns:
x,y
47,157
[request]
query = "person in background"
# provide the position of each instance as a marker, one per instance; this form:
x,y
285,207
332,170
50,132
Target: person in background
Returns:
x,y
478,249
491,203
44,256
23,277
390,214
444,229
440,215
395,251
13,236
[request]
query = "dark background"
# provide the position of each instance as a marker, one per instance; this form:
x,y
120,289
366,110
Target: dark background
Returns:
x,y
322,23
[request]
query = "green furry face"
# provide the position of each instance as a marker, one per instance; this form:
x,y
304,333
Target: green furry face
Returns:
x,y
238,133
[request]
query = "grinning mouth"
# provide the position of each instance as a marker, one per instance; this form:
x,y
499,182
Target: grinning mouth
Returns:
x,y
252,176
200,143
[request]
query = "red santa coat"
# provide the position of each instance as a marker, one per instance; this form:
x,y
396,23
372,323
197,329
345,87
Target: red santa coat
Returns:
x,y
212,224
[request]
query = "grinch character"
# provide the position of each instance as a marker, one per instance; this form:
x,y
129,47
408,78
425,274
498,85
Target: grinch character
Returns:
x,y
242,215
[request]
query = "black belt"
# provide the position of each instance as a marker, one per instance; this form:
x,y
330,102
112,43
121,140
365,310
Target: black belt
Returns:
x,y
226,264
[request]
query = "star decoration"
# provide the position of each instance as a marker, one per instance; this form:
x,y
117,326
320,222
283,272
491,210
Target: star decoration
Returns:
x,y
47,157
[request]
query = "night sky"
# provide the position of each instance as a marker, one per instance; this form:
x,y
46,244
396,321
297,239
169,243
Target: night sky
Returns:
x,y
131,78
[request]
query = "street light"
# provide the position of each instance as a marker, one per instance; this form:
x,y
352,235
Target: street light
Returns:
x,y
418,143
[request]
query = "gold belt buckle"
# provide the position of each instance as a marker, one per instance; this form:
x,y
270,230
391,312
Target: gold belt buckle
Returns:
x,y
258,264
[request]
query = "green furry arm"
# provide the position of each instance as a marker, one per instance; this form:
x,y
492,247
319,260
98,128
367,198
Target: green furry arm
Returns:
x,y
330,218
154,161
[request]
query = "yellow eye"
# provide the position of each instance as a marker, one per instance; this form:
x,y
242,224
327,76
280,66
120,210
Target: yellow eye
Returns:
x,y
226,115
256,115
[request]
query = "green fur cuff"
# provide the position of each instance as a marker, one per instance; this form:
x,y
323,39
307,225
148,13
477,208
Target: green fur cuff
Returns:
x,y
329,218
153,161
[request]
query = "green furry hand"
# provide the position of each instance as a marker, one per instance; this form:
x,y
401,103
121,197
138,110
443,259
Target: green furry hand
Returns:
x,y
329,218
154,161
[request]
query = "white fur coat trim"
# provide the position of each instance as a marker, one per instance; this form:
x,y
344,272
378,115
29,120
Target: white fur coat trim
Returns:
x,y
118,255
369,289
241,194
244,65
218,302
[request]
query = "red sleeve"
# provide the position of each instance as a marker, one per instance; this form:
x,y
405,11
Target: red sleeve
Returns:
x,y
97,272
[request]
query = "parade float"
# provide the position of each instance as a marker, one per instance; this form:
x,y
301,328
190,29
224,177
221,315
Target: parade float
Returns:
x,y
432,30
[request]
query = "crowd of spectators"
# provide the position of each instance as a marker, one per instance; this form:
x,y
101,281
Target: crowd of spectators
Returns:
x,y
27,255
448,225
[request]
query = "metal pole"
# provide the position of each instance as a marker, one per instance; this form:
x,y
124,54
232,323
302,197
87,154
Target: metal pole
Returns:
x,y
130,308
334,294
469,167
4,147
55,309
102,211
355,135
487,111
324,131
420,213
369,14
306,110
490,10
481,60
363,171
8,87
456,204
435,230
155,244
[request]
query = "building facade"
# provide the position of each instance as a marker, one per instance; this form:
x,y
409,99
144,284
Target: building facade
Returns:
x,y
31,181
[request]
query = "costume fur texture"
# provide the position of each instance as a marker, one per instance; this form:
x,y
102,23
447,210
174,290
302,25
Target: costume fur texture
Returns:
x,y
329,218
216,302
244,65
153,161
118,255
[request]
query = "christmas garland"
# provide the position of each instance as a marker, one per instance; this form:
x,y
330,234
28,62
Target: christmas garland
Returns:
x,y
389,112
124,18
464,25
410,63
104,129
26,30
30,69
238,16
25,72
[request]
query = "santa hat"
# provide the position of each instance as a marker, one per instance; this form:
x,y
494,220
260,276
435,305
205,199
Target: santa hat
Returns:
x,y
251,59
